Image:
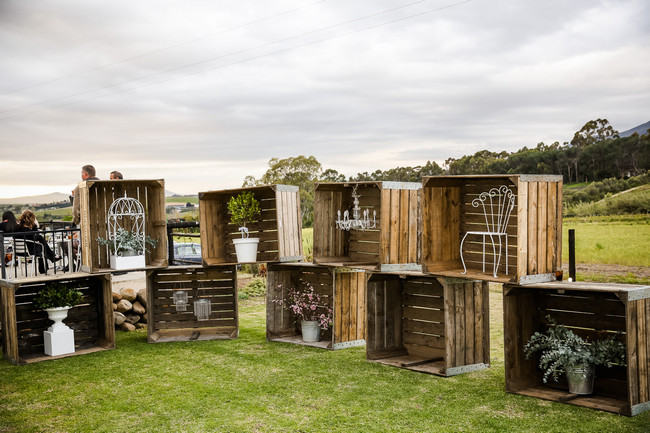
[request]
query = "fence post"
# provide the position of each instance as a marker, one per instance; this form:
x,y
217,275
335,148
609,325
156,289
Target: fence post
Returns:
x,y
572,254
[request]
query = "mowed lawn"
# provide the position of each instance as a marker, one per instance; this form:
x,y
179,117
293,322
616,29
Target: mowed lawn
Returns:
x,y
622,240
251,385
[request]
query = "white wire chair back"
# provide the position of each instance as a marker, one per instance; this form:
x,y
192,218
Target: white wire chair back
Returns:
x,y
497,205
121,211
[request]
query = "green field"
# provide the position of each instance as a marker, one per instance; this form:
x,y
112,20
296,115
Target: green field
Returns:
x,y
251,385
623,240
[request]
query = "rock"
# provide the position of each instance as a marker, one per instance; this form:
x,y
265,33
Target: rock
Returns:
x,y
142,297
114,307
143,319
138,308
128,294
140,325
123,306
126,326
132,318
117,297
119,318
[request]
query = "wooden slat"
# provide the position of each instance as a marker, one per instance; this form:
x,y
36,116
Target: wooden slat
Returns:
x,y
532,228
551,238
542,224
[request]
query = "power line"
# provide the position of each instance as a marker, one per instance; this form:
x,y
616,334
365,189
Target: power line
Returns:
x,y
239,61
160,50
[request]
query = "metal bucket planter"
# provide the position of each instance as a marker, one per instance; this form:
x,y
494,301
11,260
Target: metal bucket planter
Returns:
x,y
580,379
310,331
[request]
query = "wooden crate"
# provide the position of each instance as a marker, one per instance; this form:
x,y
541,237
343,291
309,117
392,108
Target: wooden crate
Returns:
x,y
392,246
590,310
279,230
342,289
96,199
165,323
429,324
534,230
23,324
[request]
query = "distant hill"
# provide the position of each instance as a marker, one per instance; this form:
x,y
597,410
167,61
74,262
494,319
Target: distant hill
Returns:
x,y
54,197
641,129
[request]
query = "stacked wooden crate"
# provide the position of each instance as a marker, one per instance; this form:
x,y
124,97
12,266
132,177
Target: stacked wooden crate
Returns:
x,y
23,324
593,311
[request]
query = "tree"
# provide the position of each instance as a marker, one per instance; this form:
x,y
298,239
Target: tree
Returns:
x,y
301,171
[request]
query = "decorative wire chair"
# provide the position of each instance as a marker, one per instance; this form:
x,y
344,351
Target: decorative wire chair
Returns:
x,y
126,209
497,207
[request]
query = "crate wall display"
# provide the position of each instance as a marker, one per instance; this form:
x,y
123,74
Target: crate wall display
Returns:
x,y
96,199
168,321
427,323
591,310
393,245
279,229
534,229
341,289
23,324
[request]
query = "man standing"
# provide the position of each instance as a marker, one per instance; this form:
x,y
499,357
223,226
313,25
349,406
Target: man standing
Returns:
x,y
87,173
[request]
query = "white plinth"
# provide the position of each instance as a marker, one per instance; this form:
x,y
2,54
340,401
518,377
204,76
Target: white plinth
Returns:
x,y
127,262
59,342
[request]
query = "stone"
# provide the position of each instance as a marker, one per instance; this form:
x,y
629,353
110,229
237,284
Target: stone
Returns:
x,y
132,318
140,325
138,308
142,297
143,319
119,318
114,307
117,297
126,326
128,294
123,306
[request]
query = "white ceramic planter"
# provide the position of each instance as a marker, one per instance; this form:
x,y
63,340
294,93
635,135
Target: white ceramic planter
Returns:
x,y
127,262
310,331
246,249
59,338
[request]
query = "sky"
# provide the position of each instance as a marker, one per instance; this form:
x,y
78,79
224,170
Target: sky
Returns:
x,y
202,93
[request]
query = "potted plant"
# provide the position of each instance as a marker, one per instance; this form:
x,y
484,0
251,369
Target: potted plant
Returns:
x,y
243,209
308,308
127,249
562,351
56,299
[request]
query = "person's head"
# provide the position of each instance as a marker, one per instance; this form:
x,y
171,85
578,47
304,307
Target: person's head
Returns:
x,y
87,171
27,219
116,175
10,221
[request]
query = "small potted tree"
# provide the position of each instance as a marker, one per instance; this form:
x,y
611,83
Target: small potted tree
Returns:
x,y
56,299
563,352
243,209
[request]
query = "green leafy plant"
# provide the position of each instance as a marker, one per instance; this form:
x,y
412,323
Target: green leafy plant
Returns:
x,y
244,208
127,241
57,295
561,349
257,287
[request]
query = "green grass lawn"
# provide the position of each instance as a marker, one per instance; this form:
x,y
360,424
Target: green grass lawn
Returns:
x,y
251,385
622,240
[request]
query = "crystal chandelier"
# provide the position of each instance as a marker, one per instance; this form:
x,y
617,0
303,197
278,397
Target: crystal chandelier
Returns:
x,y
359,221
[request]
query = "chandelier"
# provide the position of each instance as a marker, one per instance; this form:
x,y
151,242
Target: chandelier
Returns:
x,y
359,221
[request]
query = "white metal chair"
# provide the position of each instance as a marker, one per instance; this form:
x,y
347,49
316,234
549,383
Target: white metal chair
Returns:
x,y
12,265
24,256
497,207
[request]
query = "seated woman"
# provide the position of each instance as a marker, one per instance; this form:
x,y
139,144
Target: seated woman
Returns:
x,y
8,225
27,223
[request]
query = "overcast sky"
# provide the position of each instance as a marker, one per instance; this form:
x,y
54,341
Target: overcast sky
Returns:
x,y
202,93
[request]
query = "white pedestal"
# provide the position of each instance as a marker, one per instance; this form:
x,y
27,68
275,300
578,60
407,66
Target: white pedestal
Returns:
x,y
127,262
59,342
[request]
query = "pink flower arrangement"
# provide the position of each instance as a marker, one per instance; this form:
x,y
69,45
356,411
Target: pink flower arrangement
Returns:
x,y
307,305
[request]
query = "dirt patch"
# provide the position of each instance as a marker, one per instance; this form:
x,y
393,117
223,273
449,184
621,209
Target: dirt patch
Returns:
x,y
609,270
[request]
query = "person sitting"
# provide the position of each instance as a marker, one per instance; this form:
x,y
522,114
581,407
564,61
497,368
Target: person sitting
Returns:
x,y
116,175
87,173
38,246
8,225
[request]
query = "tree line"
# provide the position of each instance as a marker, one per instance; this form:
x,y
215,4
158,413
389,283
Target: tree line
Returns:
x,y
595,152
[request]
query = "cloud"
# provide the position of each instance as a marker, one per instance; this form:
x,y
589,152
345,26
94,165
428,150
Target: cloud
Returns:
x,y
203,95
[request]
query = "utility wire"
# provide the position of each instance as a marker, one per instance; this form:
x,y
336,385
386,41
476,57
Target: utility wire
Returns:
x,y
160,50
240,61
